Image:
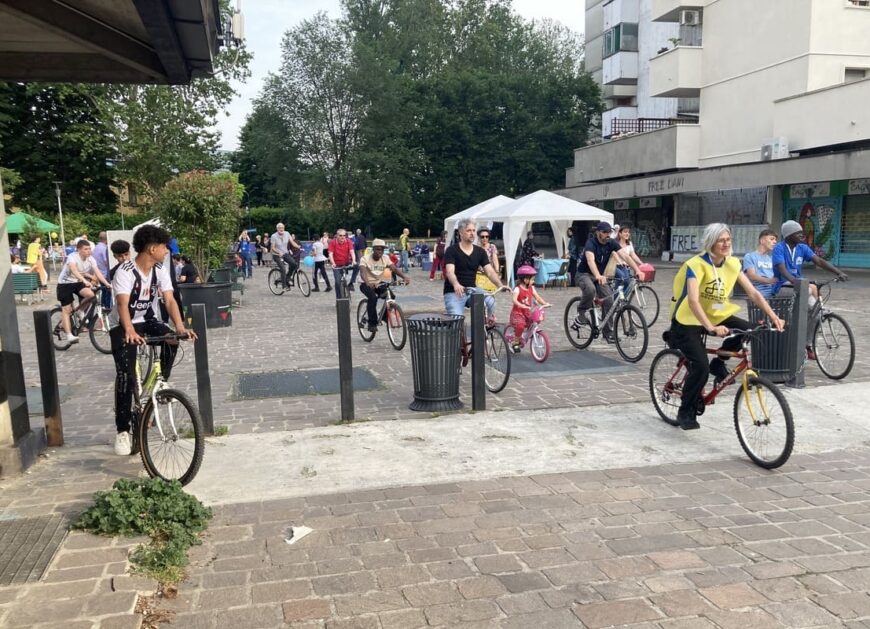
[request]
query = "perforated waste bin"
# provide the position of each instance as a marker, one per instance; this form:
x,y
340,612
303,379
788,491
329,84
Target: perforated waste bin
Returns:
x,y
435,341
770,350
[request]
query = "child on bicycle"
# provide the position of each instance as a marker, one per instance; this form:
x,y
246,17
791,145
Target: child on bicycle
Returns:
x,y
525,297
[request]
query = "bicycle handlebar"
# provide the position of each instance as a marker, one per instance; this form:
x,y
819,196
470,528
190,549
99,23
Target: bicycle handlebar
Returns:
x,y
171,336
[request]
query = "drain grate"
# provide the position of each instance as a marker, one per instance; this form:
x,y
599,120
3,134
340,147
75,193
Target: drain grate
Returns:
x,y
252,386
27,546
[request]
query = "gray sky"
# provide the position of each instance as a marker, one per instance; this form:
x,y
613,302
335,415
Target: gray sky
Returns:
x,y
267,20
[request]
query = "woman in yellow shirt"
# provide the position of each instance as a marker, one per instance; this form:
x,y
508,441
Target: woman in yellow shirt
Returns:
x,y
34,260
700,306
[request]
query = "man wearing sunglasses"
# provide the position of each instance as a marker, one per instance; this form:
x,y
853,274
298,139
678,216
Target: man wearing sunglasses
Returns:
x,y
340,255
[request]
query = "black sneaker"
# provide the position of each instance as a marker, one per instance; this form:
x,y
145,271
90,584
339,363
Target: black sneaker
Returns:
x,y
718,370
328,288
608,336
351,288
315,290
373,328
688,419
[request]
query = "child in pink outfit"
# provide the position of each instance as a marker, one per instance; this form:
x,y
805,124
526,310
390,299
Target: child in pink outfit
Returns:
x,y
525,296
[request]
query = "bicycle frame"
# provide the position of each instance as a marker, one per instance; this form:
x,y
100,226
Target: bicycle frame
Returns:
x,y
600,319
151,386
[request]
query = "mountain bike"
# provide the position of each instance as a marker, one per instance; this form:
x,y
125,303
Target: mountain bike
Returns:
x,y
497,352
833,341
539,342
629,328
762,416
167,429
297,278
389,313
93,318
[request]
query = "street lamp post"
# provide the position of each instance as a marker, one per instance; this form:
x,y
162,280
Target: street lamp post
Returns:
x,y
60,213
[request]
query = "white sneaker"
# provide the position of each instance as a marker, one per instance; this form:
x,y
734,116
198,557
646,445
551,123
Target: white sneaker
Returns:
x,y
72,338
123,444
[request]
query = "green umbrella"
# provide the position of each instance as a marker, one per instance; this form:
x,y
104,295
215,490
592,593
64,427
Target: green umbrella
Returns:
x,y
17,223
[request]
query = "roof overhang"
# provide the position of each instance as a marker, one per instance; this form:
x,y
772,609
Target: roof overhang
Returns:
x,y
117,41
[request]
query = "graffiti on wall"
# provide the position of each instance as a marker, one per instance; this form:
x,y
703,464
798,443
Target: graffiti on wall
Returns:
x,y
820,221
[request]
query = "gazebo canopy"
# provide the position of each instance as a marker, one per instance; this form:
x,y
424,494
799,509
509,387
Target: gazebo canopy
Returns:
x,y
539,207
474,211
17,223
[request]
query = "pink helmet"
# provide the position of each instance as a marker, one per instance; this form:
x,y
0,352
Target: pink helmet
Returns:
x,y
526,271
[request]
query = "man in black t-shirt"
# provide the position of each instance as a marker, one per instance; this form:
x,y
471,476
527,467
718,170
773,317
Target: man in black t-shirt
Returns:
x,y
461,262
590,270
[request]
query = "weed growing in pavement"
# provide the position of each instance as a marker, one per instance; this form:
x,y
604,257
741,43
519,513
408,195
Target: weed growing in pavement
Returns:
x,y
158,509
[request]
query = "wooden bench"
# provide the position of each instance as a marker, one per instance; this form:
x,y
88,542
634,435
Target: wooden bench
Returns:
x,y
26,284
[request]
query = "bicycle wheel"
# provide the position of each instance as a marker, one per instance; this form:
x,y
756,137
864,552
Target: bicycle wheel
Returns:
x,y
763,422
362,321
630,333
834,346
539,346
171,440
99,333
577,329
397,328
497,362
275,284
58,336
666,376
647,300
302,282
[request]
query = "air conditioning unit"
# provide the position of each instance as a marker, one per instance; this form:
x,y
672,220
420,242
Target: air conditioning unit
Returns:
x,y
690,18
774,148
766,151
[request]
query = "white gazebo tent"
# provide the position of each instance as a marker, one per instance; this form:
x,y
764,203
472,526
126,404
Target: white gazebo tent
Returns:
x,y
539,207
474,211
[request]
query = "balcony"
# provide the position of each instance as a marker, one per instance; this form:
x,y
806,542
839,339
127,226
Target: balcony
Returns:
x,y
677,72
620,69
669,148
669,10
825,117
620,11
618,116
609,92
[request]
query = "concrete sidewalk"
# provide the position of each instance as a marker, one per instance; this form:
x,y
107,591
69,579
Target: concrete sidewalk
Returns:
x,y
583,517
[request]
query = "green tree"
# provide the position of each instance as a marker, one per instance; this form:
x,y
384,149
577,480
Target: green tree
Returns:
x,y
202,211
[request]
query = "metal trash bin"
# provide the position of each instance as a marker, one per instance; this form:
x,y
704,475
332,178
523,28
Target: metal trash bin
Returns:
x,y
435,340
770,349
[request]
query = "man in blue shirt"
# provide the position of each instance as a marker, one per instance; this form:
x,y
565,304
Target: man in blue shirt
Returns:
x,y
758,265
789,256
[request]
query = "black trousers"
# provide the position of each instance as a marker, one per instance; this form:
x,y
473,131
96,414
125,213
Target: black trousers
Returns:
x,y
572,271
689,339
125,361
320,267
373,294
291,265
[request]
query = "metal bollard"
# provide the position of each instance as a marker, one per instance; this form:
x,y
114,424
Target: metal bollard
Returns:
x,y
48,378
797,354
345,358
478,353
203,377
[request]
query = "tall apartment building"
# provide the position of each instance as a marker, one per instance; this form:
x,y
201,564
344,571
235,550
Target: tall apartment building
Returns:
x,y
743,111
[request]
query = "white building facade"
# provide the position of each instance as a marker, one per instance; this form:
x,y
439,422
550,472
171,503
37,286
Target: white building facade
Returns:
x,y
738,111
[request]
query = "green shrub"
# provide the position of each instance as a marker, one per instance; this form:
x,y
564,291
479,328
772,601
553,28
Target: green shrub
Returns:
x,y
158,509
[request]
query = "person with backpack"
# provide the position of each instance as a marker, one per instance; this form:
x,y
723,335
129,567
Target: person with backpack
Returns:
x,y
438,262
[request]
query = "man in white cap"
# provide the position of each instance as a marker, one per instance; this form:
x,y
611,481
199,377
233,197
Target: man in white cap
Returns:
x,y
789,256
371,269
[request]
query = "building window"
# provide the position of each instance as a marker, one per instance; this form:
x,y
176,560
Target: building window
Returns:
x,y
859,3
855,74
620,37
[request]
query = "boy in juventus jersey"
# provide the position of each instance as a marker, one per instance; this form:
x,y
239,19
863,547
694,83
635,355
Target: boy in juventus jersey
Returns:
x,y
137,286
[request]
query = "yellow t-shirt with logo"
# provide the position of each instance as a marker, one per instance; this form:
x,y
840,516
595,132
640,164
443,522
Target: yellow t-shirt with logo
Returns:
x,y
714,286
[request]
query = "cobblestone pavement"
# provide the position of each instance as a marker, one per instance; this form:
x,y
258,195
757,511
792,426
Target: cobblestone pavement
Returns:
x,y
694,545
290,332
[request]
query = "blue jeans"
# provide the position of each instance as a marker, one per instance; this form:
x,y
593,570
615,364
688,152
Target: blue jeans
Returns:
x,y
404,262
455,304
623,274
247,265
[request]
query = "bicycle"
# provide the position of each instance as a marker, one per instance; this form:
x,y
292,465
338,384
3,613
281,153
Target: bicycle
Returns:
x,y
644,297
167,429
342,287
761,411
497,361
629,329
389,312
830,336
539,342
93,318
298,278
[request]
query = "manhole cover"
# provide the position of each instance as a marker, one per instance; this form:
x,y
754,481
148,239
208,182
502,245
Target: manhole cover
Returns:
x,y
27,546
566,363
306,382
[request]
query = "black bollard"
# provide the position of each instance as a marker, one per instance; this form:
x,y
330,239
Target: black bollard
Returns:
x,y
797,352
345,358
203,377
478,353
48,378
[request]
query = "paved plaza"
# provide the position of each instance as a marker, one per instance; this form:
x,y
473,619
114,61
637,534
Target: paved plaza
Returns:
x,y
567,504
